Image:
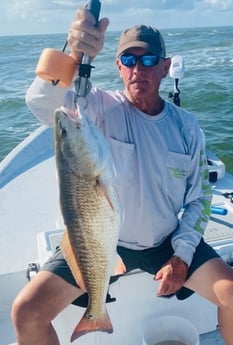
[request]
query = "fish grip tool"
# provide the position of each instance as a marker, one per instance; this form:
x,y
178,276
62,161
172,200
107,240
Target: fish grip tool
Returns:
x,y
81,84
59,68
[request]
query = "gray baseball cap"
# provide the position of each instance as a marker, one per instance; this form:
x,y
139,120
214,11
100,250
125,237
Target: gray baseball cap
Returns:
x,y
142,36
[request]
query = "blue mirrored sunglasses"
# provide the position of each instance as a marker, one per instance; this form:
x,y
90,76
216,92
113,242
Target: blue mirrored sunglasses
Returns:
x,y
130,60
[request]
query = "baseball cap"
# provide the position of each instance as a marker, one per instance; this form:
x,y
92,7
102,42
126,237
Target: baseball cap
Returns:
x,y
142,36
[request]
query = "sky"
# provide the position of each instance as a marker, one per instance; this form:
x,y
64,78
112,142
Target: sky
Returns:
x,y
20,17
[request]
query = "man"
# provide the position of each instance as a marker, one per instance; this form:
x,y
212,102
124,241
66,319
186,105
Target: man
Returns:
x,y
161,165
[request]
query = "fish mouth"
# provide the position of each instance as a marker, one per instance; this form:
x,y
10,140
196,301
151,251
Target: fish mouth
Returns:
x,y
72,114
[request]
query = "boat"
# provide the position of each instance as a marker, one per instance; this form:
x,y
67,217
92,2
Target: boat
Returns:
x,y
31,228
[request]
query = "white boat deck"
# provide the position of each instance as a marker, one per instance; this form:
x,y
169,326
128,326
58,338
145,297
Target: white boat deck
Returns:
x,y
29,205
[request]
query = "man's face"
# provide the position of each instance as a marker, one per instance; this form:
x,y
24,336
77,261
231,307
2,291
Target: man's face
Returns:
x,y
139,80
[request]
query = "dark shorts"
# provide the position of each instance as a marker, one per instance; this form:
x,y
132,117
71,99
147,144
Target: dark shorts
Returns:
x,y
149,260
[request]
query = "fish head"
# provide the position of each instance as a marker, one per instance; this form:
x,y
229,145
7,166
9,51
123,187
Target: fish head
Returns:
x,y
80,143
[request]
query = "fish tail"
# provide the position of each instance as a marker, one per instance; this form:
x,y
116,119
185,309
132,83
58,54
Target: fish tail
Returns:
x,y
88,324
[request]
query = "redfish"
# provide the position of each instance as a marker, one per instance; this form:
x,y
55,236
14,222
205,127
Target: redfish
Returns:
x,y
91,211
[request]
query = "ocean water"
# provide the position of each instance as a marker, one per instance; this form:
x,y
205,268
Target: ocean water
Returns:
x,y
206,89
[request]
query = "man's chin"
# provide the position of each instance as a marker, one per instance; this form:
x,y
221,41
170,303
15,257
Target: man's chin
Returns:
x,y
140,90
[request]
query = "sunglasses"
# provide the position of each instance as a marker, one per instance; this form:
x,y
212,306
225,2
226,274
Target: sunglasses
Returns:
x,y
130,60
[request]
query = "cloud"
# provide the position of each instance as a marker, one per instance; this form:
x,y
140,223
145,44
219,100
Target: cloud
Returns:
x,y
36,8
220,4
151,4
51,16
181,5
27,8
37,15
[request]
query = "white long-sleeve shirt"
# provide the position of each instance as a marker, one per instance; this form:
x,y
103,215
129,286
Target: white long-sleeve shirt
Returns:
x,y
160,163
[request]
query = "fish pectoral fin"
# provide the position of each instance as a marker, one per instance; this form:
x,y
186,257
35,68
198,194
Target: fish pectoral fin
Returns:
x,y
69,255
102,190
119,266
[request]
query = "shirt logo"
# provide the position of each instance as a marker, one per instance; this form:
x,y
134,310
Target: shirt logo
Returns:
x,y
178,173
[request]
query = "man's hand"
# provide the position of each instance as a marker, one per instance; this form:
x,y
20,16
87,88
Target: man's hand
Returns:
x,y
84,36
172,275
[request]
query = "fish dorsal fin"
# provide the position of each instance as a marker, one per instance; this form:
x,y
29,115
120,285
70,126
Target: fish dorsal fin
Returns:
x,y
71,259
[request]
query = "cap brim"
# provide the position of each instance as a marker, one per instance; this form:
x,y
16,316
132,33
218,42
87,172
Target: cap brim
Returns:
x,y
137,44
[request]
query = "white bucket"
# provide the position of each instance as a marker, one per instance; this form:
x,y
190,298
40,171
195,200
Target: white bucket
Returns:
x,y
170,328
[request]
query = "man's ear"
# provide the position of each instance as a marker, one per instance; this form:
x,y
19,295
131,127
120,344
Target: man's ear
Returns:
x,y
118,64
166,66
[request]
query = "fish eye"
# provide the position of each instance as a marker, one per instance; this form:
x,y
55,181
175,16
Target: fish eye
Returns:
x,y
78,125
63,132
